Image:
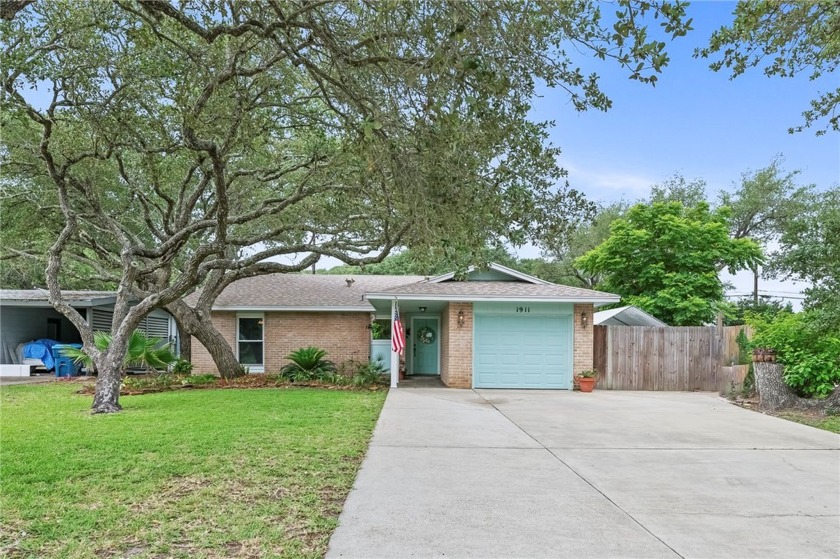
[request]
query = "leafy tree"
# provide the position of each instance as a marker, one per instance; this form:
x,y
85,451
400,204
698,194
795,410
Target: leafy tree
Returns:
x,y
786,38
809,250
563,253
679,189
664,258
186,144
766,308
410,262
761,204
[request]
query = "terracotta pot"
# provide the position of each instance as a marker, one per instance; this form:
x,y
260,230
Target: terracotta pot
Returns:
x,y
586,384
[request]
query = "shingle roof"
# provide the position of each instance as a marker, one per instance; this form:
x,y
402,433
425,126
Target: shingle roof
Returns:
x,y
44,295
305,291
496,289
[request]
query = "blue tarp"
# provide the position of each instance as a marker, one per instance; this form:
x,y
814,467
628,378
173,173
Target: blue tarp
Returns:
x,y
41,349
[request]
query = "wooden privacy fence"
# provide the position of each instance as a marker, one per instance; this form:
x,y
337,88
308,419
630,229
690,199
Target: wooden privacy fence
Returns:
x,y
671,358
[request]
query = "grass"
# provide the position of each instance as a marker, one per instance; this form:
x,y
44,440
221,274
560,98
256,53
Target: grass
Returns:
x,y
827,423
205,474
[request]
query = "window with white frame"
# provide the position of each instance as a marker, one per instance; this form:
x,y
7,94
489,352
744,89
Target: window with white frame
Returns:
x,y
250,337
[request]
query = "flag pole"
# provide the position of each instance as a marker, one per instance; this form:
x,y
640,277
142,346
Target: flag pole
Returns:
x,y
395,356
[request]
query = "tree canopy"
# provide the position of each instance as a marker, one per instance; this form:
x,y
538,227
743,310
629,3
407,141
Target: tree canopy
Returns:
x,y
786,38
809,250
664,258
179,145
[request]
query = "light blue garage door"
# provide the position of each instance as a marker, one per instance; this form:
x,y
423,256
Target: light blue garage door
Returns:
x,y
525,349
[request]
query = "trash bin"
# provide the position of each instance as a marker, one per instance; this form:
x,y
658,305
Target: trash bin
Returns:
x,y
64,366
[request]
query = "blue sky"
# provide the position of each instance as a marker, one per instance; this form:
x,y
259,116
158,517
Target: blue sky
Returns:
x,y
695,122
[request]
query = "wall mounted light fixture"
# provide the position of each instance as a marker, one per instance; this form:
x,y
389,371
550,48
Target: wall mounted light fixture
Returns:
x,y
461,318
422,309
584,319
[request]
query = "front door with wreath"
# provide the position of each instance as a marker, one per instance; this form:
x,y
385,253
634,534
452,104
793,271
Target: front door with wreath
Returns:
x,y
425,345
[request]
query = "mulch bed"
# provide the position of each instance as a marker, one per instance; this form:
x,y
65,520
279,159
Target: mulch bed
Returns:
x,y
249,381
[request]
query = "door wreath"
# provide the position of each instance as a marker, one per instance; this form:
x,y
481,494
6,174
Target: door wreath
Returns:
x,y
426,335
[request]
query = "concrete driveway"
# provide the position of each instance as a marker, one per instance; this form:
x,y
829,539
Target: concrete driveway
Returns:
x,y
507,473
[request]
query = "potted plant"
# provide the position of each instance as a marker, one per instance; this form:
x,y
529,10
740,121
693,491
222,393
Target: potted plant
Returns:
x,y
586,380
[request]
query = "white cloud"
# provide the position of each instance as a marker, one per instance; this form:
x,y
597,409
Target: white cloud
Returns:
x,y
603,183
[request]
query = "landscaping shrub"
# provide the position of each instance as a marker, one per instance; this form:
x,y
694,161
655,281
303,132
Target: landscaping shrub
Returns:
x,y
811,356
368,374
308,363
150,382
199,379
182,367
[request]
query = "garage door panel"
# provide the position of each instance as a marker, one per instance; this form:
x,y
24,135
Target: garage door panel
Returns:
x,y
522,351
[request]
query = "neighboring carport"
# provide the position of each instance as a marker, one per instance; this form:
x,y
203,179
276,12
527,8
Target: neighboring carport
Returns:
x,y
504,473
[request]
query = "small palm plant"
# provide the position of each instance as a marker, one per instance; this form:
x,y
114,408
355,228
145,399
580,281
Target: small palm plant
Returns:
x,y
308,363
142,349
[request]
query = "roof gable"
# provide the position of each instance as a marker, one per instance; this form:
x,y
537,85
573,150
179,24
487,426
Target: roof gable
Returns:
x,y
494,272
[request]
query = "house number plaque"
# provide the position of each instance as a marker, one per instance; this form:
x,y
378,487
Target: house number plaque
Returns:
x,y
523,309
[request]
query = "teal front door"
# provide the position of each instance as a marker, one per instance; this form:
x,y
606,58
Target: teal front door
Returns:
x,y
424,343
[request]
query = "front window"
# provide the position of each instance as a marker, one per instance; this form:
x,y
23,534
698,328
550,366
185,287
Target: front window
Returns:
x,y
250,340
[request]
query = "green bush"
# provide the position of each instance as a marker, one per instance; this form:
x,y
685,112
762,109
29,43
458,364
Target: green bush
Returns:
x,y
182,367
368,374
308,363
811,356
150,382
199,379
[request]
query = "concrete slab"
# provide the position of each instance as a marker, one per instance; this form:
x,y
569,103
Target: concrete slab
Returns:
x,y
445,418
6,381
481,502
623,419
505,473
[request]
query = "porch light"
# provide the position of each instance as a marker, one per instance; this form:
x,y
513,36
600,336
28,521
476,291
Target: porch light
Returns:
x,y
584,319
461,318
422,309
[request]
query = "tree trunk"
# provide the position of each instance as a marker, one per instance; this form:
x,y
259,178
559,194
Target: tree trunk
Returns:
x,y
184,342
198,324
223,357
774,394
106,399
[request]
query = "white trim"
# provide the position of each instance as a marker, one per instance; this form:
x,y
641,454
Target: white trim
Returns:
x,y
251,368
269,308
413,331
497,268
489,298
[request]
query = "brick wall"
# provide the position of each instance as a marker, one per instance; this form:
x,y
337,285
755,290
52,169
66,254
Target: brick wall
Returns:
x,y
343,335
583,356
225,323
458,370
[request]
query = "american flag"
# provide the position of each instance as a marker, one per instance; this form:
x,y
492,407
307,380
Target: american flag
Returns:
x,y
397,334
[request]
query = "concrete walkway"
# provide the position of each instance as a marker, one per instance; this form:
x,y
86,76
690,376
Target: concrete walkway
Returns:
x,y
503,473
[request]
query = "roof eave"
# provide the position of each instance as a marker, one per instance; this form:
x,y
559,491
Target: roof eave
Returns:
x,y
482,298
275,308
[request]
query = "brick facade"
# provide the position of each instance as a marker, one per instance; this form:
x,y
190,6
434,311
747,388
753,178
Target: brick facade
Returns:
x,y
225,323
583,341
344,336
457,346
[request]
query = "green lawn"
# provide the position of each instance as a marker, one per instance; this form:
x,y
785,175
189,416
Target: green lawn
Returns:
x,y
210,473
828,423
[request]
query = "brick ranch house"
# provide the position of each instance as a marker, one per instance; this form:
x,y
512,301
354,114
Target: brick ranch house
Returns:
x,y
495,328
